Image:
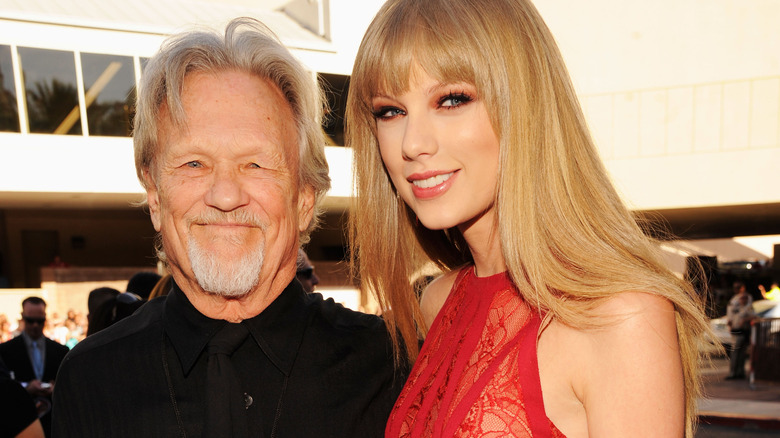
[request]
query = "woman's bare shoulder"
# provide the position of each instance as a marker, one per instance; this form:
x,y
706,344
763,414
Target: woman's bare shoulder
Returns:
x,y
629,375
435,294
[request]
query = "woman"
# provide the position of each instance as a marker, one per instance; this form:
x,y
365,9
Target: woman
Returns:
x,y
555,314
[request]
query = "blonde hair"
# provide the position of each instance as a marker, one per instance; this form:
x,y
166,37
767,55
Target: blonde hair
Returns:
x,y
568,241
247,46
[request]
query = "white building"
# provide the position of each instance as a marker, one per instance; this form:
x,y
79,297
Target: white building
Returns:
x,y
683,97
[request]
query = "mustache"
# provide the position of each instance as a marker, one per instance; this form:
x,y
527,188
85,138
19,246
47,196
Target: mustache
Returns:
x,y
235,217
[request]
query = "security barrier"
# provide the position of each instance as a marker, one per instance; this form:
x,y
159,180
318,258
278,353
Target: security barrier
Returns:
x,y
765,355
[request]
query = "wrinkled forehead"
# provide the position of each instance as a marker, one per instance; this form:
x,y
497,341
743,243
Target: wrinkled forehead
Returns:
x,y
263,101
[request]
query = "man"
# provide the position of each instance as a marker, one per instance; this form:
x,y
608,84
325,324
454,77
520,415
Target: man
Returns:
x,y
142,283
739,314
772,294
228,147
33,358
305,272
96,298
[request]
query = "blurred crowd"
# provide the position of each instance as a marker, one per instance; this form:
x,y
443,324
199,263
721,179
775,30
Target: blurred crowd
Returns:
x,y
67,330
109,305
33,345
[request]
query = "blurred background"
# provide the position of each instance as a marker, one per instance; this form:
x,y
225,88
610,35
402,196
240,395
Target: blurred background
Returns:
x,y
683,98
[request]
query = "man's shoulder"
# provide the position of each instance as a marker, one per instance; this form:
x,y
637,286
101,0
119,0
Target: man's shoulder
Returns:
x,y
56,346
12,343
330,315
332,324
145,321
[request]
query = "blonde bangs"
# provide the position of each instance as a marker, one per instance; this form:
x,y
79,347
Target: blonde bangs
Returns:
x,y
437,37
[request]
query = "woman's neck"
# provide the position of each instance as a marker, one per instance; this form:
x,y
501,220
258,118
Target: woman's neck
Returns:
x,y
484,243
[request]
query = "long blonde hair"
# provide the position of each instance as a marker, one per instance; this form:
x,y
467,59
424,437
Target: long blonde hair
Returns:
x,y
568,240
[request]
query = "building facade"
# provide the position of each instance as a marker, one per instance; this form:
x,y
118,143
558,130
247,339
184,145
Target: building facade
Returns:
x,y
683,97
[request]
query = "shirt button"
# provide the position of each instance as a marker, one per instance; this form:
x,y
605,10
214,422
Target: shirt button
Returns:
x,y
248,400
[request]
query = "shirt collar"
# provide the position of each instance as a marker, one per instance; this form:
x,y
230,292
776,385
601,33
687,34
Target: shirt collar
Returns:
x,y
30,341
277,330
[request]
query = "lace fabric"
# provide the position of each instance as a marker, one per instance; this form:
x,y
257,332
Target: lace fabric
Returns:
x,y
477,373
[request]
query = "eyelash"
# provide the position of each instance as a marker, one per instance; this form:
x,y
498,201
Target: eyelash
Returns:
x,y
380,113
463,98
460,97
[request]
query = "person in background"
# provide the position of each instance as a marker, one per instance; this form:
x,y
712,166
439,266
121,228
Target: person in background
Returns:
x,y
304,272
142,283
772,294
6,334
229,149
95,300
471,152
113,310
17,409
57,262
739,315
34,359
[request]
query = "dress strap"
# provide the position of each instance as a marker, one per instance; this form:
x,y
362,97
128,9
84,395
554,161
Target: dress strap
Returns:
x,y
530,380
455,286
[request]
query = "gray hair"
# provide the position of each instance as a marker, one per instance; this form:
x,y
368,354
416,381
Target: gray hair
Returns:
x,y
248,46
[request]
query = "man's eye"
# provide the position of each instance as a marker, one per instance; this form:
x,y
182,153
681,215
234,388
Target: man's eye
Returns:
x,y
387,112
194,164
454,100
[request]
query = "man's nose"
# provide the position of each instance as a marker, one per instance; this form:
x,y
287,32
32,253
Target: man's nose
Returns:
x,y
227,191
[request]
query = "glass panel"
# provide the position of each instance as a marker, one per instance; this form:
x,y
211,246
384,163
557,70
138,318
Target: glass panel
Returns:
x,y
9,114
109,93
49,78
335,88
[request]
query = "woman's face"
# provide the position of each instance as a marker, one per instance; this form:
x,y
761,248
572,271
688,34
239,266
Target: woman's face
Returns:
x,y
440,150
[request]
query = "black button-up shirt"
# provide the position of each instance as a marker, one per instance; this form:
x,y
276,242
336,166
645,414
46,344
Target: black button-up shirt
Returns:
x,y
310,368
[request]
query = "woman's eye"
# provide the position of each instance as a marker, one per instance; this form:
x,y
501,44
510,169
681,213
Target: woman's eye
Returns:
x,y
387,112
454,100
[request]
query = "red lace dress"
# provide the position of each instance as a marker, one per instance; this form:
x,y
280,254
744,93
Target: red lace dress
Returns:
x,y
477,374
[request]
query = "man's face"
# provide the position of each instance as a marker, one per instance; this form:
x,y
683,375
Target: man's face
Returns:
x,y
224,193
34,316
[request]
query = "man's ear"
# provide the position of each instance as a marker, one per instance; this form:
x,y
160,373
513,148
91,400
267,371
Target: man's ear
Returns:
x,y
152,199
305,207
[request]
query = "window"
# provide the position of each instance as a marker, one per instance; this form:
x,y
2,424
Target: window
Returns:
x,y
335,88
9,112
109,87
51,92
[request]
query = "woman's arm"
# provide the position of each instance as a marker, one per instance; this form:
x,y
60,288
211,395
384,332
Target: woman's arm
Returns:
x,y
634,381
624,379
34,430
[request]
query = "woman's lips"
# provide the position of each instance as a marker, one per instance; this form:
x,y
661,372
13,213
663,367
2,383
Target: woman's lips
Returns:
x,y
431,184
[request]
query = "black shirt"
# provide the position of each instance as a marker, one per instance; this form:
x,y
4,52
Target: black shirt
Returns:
x,y
311,368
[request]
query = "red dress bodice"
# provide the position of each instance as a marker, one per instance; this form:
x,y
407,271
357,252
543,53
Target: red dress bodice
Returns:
x,y
477,372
